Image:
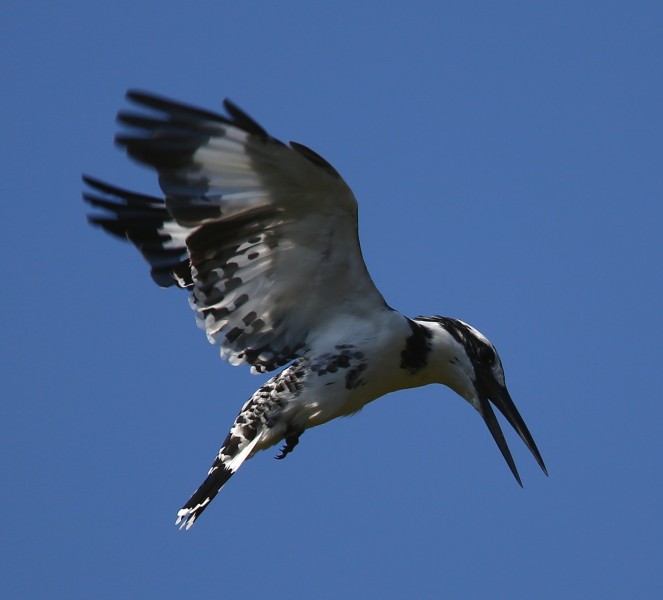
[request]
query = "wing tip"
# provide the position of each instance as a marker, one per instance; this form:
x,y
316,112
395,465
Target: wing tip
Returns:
x,y
315,158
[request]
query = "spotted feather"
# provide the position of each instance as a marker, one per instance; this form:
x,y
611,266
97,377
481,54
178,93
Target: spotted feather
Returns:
x,y
251,226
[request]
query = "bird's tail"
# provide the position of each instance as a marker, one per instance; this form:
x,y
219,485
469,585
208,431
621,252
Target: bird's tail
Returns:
x,y
236,448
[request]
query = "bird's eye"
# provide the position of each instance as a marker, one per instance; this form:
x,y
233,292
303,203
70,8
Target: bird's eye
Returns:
x,y
486,355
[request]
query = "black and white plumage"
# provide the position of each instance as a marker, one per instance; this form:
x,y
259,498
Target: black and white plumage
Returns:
x,y
264,236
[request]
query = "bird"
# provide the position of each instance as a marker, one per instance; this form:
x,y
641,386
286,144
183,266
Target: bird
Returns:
x,y
263,236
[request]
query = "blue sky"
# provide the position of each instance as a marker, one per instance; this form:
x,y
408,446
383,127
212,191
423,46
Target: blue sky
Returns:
x,y
508,162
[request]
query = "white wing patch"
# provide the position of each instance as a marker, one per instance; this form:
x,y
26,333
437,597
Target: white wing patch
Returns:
x,y
263,234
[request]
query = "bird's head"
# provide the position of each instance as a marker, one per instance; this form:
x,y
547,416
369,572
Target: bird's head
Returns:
x,y
473,369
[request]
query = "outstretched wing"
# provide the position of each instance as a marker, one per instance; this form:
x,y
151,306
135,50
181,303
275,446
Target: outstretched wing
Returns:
x,y
263,234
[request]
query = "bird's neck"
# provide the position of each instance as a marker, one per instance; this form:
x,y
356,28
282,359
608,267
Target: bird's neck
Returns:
x,y
445,362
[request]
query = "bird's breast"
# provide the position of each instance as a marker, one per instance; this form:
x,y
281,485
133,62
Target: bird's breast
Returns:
x,y
343,382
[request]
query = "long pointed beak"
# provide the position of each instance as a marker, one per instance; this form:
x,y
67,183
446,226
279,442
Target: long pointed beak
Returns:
x,y
500,397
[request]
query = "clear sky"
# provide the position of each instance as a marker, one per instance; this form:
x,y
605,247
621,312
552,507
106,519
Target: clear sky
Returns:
x,y
508,162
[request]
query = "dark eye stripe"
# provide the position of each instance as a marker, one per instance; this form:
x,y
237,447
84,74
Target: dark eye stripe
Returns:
x,y
486,354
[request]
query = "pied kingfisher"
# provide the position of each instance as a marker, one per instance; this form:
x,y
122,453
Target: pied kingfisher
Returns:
x,y
264,236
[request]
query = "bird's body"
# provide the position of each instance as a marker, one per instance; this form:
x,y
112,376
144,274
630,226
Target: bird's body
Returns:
x,y
264,236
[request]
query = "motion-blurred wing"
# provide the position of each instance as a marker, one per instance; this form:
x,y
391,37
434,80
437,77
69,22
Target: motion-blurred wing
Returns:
x,y
264,234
